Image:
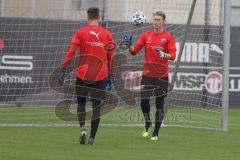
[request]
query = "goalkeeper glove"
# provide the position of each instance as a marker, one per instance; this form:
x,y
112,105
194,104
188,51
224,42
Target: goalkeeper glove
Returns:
x,y
160,53
109,85
127,40
61,78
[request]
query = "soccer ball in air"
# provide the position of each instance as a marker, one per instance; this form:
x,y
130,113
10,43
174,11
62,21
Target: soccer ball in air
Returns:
x,y
138,18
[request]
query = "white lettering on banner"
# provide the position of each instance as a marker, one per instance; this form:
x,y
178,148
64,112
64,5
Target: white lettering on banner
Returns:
x,y
20,63
15,79
234,81
188,81
197,52
216,48
212,81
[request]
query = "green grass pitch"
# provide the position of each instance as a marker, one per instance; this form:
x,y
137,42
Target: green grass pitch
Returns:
x,y
118,143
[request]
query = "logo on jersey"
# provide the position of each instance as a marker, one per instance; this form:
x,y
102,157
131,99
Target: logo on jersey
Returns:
x,y
95,34
148,40
163,40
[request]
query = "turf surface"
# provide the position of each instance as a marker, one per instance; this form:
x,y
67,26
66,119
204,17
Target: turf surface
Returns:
x,y
117,143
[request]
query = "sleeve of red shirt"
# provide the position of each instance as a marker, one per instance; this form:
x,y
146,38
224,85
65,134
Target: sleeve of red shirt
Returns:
x,y
110,60
171,48
139,45
75,43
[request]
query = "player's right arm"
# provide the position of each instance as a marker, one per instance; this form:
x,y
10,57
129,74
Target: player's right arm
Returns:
x,y
134,49
75,43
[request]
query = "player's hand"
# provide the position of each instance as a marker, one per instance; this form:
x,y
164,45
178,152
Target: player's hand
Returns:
x,y
109,85
160,53
61,78
127,40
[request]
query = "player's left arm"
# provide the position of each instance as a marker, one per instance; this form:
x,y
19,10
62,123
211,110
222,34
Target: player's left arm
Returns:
x,y
171,47
110,60
171,50
110,63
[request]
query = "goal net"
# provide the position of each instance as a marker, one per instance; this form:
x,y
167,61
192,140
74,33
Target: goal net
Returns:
x,y
34,40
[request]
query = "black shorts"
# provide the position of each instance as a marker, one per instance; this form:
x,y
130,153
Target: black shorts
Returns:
x,y
94,90
152,86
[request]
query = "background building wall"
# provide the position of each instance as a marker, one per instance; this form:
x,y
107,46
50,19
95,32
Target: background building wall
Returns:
x,y
235,13
121,10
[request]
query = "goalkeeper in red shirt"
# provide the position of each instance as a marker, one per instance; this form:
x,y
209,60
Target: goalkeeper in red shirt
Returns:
x,y
93,71
159,47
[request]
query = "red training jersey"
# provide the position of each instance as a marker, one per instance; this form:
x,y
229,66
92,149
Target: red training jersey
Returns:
x,y
154,66
94,61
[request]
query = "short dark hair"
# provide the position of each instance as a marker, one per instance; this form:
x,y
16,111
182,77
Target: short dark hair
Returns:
x,y
160,13
93,13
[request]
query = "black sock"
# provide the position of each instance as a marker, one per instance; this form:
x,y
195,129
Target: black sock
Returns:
x,y
158,115
147,121
158,121
95,117
145,106
94,127
81,111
